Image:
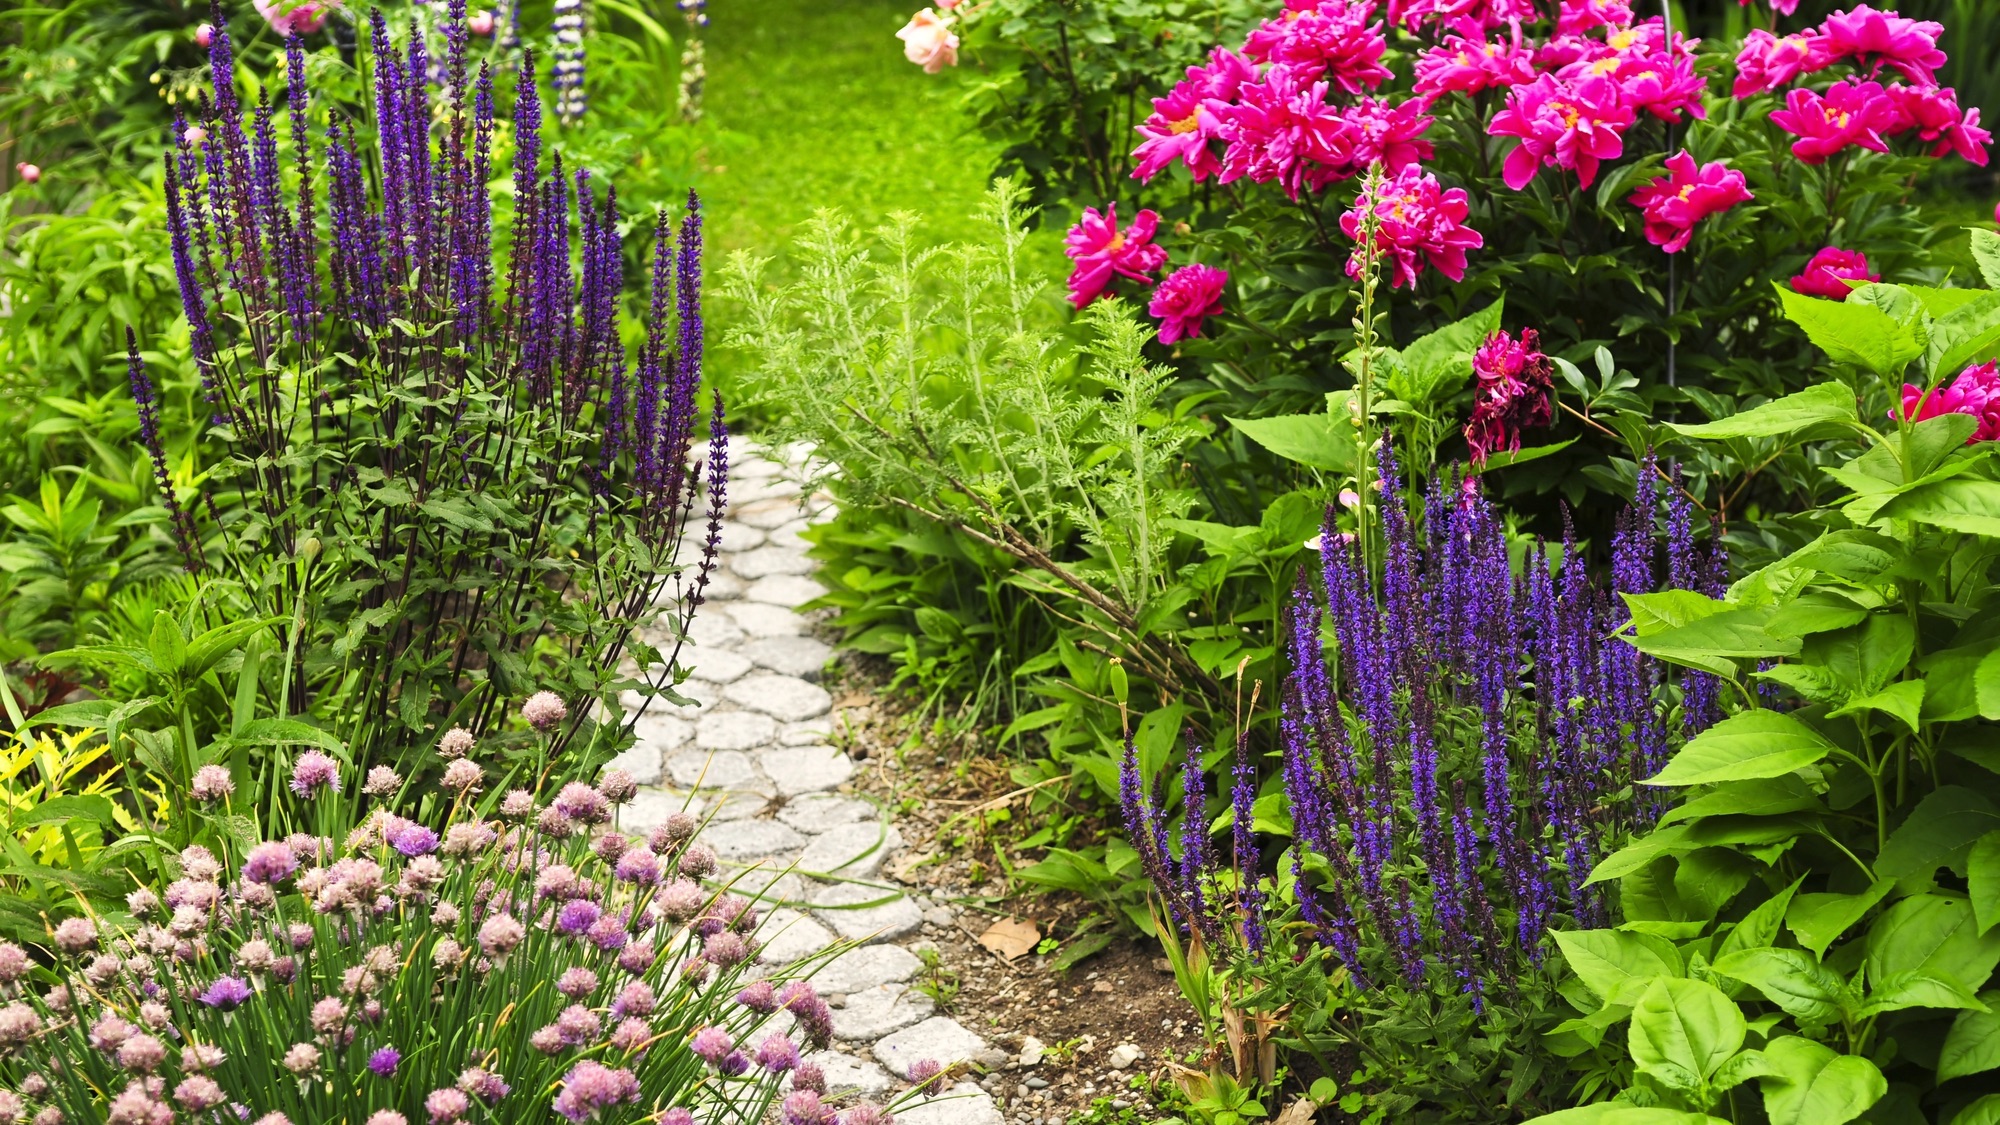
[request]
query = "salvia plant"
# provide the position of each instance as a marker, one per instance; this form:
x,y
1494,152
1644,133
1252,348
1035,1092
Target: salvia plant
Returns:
x,y
444,480
451,965
1460,730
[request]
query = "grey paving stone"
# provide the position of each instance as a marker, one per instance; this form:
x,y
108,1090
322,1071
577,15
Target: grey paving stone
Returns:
x,y
649,809
768,514
866,967
939,1037
852,851
798,656
743,801
770,489
661,728
734,730
718,665
963,1104
867,914
814,733
874,1012
767,881
788,534
771,560
787,590
738,537
641,760
790,936
718,769
713,628
755,619
753,467
806,769
822,812
742,840
722,586
846,1074
785,698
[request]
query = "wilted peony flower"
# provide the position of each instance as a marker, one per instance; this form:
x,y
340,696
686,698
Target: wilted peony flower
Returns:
x,y
211,783
929,41
544,711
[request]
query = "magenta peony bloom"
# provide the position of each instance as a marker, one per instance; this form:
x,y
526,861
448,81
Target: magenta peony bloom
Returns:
x,y
1686,195
1514,379
591,1087
1562,125
1976,391
313,772
1664,85
1851,113
1100,251
1187,297
1377,132
1574,17
1329,39
1468,66
1933,113
1882,39
1417,222
1283,129
1767,61
1190,116
288,19
1823,275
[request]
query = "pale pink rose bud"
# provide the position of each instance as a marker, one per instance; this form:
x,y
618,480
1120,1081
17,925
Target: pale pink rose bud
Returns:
x,y
204,36
29,173
929,42
194,135
480,24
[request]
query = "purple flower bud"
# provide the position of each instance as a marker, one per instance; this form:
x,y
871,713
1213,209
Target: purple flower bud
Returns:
x,y
383,1062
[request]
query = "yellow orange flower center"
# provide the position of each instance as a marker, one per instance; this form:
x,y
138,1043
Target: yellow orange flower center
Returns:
x,y
1117,242
1186,124
1621,40
1605,66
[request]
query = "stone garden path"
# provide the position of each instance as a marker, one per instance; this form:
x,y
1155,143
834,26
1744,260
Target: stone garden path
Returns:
x,y
756,754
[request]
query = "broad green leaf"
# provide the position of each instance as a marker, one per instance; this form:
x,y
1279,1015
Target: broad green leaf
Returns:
x,y
289,731
1918,990
1986,251
166,644
1665,840
1437,365
1986,685
1764,796
1985,1111
1817,613
1856,332
1760,927
1504,457
1931,933
1939,832
1982,866
1618,1113
1818,920
1751,744
1973,1044
1963,336
1812,1085
71,806
1613,963
1790,978
1669,609
1956,504
1712,643
1851,553
1782,417
1683,1031
1903,700
1315,440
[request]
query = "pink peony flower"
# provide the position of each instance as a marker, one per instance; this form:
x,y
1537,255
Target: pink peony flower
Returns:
x,y
1470,18
1767,61
1190,116
1100,251
1686,195
1782,7
1823,275
1417,221
1574,17
1188,296
1468,66
204,35
1886,39
929,42
1976,391
28,173
1562,125
288,18
1934,114
1283,129
1851,113
1390,135
1512,394
1665,86
480,23
1329,39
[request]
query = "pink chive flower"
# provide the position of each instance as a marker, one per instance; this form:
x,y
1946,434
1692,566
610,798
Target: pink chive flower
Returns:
x,y
1824,274
1325,38
712,1044
1188,296
1851,113
1976,391
269,862
1575,17
1768,61
591,1087
1183,123
1283,129
1933,113
1886,39
1514,379
1686,195
1101,251
1561,125
1417,222
777,1053
544,711
313,772
446,1104
802,1107
1468,66
211,783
